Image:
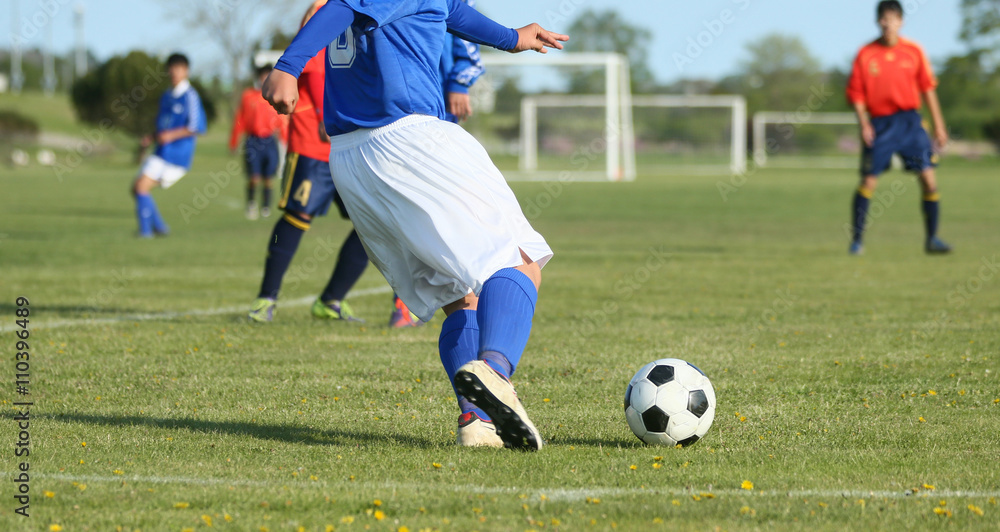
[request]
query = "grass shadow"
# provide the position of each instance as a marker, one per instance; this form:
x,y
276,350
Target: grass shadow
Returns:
x,y
283,433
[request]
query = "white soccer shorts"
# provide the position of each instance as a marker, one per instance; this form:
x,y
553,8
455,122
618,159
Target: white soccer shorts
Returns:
x,y
435,215
154,167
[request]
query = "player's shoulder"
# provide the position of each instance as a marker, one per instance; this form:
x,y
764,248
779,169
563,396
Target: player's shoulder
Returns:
x,y
910,44
869,49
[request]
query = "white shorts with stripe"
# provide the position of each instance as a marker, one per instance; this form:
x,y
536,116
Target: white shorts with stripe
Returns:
x,y
434,213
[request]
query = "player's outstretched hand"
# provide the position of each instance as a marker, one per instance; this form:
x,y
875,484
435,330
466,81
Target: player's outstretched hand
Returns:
x,y
940,139
537,38
281,90
868,134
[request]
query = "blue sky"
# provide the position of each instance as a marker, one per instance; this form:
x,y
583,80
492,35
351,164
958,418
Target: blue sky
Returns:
x,y
833,31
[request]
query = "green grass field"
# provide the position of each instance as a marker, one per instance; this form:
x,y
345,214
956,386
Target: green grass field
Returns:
x,y
844,383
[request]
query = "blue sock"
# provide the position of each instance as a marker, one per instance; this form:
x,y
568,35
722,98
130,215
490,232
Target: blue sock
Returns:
x,y
351,263
458,346
159,225
144,208
931,211
862,198
506,306
284,242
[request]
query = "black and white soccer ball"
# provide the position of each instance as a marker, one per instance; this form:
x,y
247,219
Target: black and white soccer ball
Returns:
x,y
670,402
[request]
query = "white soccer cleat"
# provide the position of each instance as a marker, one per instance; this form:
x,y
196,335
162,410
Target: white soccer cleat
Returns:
x,y
474,432
493,393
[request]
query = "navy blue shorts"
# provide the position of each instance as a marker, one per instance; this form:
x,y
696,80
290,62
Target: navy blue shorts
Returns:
x,y
261,156
901,133
307,187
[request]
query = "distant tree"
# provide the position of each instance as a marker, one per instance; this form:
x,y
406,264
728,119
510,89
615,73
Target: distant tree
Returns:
x,y
123,94
970,96
606,31
235,26
981,24
780,74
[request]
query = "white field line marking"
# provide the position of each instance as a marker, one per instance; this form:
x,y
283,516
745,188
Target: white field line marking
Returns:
x,y
173,315
555,494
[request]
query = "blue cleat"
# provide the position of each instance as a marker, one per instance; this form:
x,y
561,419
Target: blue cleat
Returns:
x,y
936,246
856,248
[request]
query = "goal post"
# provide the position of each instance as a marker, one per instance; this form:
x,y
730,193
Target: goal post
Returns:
x,y
616,100
736,104
763,119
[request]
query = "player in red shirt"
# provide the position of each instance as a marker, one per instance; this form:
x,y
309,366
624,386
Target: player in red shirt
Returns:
x,y
890,76
307,191
262,126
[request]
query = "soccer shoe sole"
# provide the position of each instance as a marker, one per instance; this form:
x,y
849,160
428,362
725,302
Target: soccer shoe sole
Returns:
x,y
495,395
478,434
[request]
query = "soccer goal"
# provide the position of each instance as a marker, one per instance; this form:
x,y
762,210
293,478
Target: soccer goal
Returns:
x,y
678,134
805,139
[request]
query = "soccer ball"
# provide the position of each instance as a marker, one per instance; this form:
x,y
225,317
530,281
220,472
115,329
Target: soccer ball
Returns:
x,y
670,402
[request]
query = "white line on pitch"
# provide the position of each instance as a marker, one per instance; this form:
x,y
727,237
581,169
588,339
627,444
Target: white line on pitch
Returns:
x,y
555,494
173,315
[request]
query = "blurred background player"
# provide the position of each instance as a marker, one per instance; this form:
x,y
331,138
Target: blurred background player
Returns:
x,y
889,77
436,215
263,127
461,66
307,192
181,119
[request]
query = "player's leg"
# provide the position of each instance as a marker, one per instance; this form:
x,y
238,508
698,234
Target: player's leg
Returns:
x,y
875,160
458,345
270,169
351,263
919,157
155,172
859,211
253,159
253,210
931,210
287,234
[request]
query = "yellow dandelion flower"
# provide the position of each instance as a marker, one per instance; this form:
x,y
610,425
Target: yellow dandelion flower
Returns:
x,y
943,503
379,515
747,485
207,519
657,458
822,505
262,529
436,465
50,494
744,510
921,419
186,529
347,519
942,511
82,487
675,502
543,497
82,444
657,465
695,497
181,505
118,472
633,467
976,510
657,521
996,401
931,392
329,528
546,400
227,518
55,528
313,477
377,502
928,486
707,495
403,529
993,500
300,529
82,462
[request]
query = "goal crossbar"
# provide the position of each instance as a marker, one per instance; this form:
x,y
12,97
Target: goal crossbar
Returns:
x,y
529,124
762,119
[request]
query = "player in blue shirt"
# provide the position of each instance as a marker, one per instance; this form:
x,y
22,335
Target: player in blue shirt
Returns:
x,y
180,121
436,216
461,66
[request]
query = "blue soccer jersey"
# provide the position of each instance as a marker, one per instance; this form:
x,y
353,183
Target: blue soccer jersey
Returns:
x,y
383,56
180,107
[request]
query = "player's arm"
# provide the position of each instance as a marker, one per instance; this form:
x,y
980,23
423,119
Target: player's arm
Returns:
x,y
281,89
473,26
234,137
312,82
856,96
468,66
940,129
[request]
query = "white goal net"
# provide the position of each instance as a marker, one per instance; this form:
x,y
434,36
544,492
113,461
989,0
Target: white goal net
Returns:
x,y
805,139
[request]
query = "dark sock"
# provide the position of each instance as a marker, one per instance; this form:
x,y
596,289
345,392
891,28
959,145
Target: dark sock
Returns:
x,y
284,241
351,263
931,212
506,307
862,198
265,197
251,190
